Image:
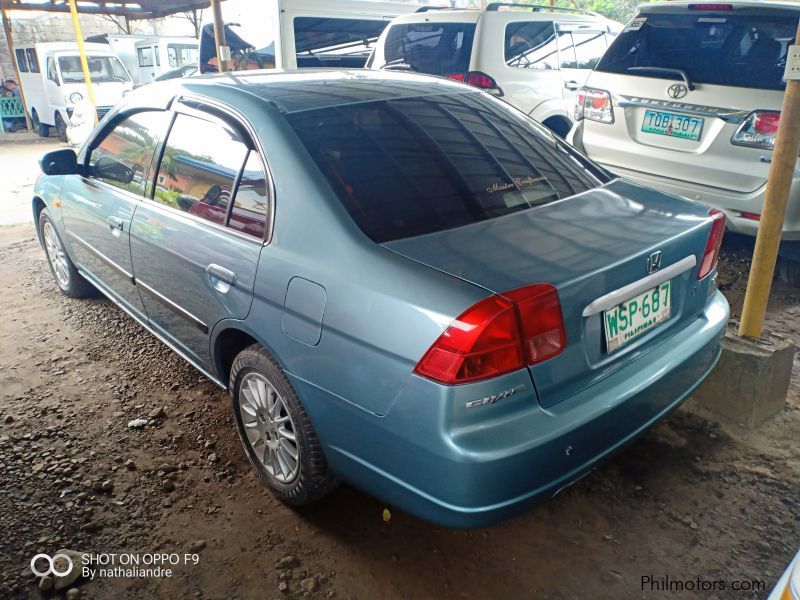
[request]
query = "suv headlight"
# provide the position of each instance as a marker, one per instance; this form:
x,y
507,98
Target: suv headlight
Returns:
x,y
75,97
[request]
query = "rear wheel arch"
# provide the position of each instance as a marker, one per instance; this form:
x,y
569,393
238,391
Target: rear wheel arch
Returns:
x,y
228,343
558,124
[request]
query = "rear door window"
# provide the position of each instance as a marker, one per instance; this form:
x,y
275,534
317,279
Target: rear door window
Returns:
x,y
736,49
434,48
327,42
411,166
531,45
199,167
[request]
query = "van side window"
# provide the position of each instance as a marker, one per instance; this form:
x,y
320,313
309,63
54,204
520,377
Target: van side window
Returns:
x,y
145,56
22,61
531,45
33,60
123,157
52,74
250,206
201,162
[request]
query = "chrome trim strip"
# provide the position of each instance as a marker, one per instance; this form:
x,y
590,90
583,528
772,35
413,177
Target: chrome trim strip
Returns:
x,y
147,327
180,311
731,115
107,261
611,299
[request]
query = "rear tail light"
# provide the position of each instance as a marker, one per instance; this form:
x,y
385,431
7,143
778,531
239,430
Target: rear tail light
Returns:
x,y
749,215
594,105
484,82
455,76
713,244
758,130
500,334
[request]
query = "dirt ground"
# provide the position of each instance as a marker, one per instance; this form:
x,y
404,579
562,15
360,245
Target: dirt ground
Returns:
x,y
690,500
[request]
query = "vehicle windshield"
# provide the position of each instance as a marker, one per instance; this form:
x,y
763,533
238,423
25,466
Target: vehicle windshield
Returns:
x,y
410,166
101,68
434,48
738,50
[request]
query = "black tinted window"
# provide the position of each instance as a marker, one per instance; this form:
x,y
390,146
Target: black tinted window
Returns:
x,y
123,157
33,61
326,42
411,166
198,170
532,45
433,48
22,62
714,48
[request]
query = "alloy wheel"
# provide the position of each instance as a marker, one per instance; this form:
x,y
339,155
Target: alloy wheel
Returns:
x,y
56,255
269,427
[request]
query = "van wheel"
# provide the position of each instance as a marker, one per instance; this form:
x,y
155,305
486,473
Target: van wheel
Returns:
x,y
789,270
275,430
61,128
69,281
42,129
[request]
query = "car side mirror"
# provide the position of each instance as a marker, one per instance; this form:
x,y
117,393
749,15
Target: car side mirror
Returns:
x,y
108,168
59,162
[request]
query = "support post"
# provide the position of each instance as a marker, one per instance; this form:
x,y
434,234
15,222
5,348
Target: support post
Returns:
x,y
223,52
73,9
10,42
779,183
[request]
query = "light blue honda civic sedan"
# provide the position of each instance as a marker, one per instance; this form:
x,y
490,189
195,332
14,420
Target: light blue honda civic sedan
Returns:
x,y
403,282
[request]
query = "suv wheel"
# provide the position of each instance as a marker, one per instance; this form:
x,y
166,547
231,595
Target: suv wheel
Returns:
x,y
69,281
275,430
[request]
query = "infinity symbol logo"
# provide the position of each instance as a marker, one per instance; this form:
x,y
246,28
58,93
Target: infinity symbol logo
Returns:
x,y
51,565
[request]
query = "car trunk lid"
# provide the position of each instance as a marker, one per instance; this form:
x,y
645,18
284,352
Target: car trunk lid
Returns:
x,y
587,246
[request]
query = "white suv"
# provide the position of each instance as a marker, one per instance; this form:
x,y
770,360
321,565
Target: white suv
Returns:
x,y
534,57
687,99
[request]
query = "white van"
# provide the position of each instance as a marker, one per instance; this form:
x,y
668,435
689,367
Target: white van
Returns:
x,y
534,57
148,56
309,33
52,79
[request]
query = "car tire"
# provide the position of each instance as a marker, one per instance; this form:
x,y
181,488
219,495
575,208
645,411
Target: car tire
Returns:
x,y
67,278
789,270
272,433
42,129
61,128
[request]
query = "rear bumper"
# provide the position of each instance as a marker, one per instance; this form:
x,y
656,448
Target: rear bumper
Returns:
x,y
500,458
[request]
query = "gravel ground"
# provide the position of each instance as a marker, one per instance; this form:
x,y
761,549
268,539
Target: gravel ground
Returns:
x,y
690,500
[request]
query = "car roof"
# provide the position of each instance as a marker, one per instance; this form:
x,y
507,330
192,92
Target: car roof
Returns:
x,y
295,91
758,6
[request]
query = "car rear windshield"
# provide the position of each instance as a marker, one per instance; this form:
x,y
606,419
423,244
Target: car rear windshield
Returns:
x,y
410,166
714,48
432,48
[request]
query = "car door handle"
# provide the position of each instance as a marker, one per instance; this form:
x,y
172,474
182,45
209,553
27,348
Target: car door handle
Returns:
x,y
116,222
221,278
572,85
